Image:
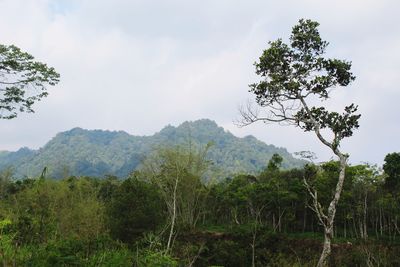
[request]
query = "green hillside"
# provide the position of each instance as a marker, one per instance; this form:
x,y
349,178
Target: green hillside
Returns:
x,y
97,153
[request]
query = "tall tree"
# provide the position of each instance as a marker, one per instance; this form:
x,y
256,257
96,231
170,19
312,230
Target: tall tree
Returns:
x,y
23,81
294,77
392,171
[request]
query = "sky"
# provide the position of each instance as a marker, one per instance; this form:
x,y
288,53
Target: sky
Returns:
x,y
138,66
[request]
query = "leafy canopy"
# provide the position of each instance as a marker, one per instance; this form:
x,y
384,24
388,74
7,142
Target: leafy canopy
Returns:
x,y
391,168
293,74
23,81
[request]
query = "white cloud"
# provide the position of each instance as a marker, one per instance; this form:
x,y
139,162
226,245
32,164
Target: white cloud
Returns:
x,y
139,65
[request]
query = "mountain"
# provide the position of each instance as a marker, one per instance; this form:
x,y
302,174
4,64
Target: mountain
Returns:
x,y
98,152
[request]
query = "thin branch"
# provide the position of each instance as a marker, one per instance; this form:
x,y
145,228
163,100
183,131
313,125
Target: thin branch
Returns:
x,y
317,208
249,114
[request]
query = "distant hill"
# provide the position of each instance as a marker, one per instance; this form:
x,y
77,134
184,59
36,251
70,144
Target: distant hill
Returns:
x,y
97,153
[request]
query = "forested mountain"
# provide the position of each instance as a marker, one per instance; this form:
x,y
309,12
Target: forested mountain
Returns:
x,y
98,152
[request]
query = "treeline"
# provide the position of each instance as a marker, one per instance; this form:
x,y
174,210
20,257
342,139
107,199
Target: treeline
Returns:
x,y
175,212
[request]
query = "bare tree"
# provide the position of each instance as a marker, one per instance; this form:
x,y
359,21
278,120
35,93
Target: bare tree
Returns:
x,y
295,79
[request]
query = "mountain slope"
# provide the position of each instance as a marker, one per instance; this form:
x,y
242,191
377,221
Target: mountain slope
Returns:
x,y
97,152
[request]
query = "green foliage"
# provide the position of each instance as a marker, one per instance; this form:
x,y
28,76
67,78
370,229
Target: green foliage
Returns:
x,y
7,242
297,73
178,173
392,171
113,257
135,208
79,221
72,253
80,213
275,162
23,81
98,153
229,253
148,258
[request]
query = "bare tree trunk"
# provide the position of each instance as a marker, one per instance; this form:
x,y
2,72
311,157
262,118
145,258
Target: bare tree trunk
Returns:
x,y
380,220
235,217
328,220
255,229
361,228
173,218
365,216
354,227
326,251
253,244
281,213
273,222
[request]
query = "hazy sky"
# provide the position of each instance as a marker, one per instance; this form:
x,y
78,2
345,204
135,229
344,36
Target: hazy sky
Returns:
x,y
140,65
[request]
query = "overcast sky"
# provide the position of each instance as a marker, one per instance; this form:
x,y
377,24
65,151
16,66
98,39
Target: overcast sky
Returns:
x,y
140,65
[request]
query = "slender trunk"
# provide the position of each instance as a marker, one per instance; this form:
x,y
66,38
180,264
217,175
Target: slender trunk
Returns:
x,y
365,216
326,251
361,228
355,232
380,220
279,220
173,218
396,227
273,222
196,256
330,217
253,246
255,229
305,218
235,217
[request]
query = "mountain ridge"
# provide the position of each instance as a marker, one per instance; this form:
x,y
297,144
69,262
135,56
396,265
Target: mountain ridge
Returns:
x,y
82,152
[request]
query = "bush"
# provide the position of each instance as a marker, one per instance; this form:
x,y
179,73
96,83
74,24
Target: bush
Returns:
x,y
134,209
148,258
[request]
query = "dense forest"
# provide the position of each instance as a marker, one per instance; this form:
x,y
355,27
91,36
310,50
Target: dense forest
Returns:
x,y
164,214
98,153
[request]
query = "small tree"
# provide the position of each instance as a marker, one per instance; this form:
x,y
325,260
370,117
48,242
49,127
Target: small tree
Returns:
x,y
293,78
22,81
178,173
275,162
135,208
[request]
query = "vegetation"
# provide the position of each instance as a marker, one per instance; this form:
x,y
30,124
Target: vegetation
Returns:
x,y
164,215
296,79
196,195
23,81
97,153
